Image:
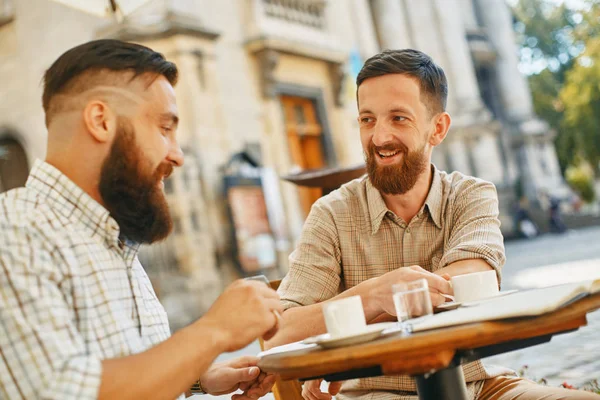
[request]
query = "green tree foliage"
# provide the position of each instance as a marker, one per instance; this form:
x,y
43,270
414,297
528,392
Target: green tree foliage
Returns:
x,y
560,46
580,97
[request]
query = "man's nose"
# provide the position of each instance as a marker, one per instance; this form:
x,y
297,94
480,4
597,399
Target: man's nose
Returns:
x,y
176,155
382,134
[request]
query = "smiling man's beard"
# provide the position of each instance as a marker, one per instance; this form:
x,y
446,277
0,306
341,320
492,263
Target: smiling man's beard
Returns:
x,y
130,193
397,178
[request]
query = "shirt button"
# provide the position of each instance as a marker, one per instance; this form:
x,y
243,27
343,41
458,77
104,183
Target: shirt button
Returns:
x,y
407,230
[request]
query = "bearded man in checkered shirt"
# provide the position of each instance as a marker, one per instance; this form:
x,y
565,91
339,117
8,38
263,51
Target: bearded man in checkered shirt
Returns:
x,y
78,316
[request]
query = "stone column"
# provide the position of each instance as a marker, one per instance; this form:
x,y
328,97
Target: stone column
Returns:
x,y
514,91
468,14
469,113
439,157
459,155
528,132
461,71
428,40
486,156
391,24
365,32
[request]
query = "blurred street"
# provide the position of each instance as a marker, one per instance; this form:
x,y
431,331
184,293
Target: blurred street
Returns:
x,y
546,260
549,260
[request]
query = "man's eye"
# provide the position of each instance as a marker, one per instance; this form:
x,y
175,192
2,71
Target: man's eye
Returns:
x,y
399,118
366,120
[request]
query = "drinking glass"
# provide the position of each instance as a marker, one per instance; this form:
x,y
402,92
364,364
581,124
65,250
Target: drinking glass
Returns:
x,y
411,300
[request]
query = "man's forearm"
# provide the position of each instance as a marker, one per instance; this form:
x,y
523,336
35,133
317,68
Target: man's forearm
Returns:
x,y
166,370
305,321
465,267
298,323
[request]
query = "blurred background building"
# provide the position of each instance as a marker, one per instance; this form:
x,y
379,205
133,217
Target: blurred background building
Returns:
x,y
266,89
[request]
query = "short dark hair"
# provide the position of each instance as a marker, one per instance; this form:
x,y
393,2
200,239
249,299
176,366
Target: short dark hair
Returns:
x,y
98,55
414,63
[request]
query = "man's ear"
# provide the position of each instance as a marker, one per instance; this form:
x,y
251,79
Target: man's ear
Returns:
x,y
99,121
442,125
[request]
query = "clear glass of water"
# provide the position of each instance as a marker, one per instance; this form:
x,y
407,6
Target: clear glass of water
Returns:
x,y
411,300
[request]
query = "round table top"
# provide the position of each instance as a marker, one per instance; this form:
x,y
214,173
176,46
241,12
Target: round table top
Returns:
x,y
425,351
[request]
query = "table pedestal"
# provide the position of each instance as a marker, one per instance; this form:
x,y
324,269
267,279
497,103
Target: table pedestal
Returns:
x,y
445,384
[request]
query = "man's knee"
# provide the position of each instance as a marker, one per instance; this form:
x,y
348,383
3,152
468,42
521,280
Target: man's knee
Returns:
x,y
513,388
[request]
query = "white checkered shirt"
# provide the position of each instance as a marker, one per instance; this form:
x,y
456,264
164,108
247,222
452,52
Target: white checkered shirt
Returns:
x,y
71,294
350,236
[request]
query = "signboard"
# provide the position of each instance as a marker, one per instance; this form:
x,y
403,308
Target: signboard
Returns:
x,y
255,242
251,216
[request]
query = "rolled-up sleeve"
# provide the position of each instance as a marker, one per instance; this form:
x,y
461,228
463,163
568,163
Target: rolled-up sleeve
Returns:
x,y
475,226
42,354
315,264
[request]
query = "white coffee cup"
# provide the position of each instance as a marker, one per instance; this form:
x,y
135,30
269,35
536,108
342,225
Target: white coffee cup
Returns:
x,y
474,286
344,317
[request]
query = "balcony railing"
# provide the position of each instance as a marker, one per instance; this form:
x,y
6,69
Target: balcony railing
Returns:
x,y
304,12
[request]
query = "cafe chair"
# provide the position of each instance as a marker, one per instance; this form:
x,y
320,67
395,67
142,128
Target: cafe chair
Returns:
x,y
326,179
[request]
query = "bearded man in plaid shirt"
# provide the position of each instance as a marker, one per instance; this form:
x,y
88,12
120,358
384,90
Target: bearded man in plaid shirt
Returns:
x,y
405,221
78,316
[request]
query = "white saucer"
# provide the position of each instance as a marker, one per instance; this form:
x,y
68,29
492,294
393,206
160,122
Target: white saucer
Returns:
x,y
451,305
371,332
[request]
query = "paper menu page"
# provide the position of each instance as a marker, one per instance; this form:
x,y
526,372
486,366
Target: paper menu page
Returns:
x,y
295,346
519,304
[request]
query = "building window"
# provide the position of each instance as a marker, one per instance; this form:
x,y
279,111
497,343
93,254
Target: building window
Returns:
x,y
7,11
304,12
14,167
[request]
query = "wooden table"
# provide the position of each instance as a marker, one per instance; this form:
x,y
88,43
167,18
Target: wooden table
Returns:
x,y
432,357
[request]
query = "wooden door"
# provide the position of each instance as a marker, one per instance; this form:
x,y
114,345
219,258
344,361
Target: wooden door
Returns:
x,y
305,142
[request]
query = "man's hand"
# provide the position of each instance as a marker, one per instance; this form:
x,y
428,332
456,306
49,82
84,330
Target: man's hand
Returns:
x,y
311,390
241,373
380,289
243,313
261,386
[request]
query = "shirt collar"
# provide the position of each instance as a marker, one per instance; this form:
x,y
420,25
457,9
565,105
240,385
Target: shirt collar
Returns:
x,y
378,209
433,202
68,199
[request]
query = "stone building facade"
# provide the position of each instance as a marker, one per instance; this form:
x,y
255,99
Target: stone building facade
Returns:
x,y
275,78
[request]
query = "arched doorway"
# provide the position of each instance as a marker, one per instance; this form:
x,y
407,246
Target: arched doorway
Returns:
x,y
14,167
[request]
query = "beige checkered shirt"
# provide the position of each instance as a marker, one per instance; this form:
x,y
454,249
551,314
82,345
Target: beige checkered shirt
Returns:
x,y
351,236
71,294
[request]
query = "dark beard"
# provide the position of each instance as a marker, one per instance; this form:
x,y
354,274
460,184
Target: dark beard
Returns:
x,y
398,178
131,195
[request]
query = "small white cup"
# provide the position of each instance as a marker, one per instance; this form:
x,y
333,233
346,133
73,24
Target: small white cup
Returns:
x,y
475,286
344,317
